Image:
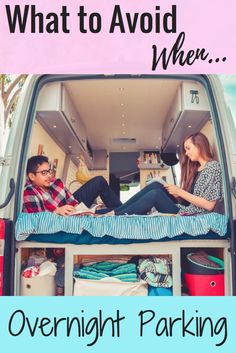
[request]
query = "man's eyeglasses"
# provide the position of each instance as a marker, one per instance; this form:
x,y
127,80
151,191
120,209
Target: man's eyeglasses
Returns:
x,y
45,172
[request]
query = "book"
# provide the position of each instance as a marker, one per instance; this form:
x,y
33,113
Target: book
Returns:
x,y
82,210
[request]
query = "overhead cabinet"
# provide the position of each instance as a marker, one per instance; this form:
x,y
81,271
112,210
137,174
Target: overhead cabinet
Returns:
x,y
56,112
71,114
191,107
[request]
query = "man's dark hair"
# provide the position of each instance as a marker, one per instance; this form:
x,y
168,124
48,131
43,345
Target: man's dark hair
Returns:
x,y
34,162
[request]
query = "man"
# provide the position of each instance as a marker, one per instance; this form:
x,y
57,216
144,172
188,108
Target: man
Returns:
x,y
45,193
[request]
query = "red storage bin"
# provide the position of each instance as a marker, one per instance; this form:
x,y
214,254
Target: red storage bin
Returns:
x,y
205,285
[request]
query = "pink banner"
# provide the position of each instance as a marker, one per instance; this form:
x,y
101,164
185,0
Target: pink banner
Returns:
x,y
124,36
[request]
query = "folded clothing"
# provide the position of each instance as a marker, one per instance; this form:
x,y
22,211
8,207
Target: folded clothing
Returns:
x,y
158,291
156,271
124,272
119,259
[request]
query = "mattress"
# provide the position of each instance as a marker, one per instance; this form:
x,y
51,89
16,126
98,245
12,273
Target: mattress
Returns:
x,y
85,238
118,229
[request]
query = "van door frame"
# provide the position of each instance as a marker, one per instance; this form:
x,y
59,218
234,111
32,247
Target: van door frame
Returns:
x,y
203,79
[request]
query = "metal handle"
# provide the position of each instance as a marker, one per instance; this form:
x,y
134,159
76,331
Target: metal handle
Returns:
x,y
233,186
10,194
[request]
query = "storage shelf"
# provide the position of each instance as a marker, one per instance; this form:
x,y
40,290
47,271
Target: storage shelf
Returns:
x,y
172,248
152,166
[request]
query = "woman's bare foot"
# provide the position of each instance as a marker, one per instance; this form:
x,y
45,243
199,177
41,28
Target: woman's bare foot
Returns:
x,y
100,206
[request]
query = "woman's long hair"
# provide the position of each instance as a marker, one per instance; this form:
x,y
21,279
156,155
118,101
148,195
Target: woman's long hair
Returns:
x,y
189,168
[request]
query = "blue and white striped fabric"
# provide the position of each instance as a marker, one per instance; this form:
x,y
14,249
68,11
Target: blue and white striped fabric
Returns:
x,y
121,227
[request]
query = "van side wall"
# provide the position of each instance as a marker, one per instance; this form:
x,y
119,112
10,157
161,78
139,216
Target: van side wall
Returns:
x,y
42,142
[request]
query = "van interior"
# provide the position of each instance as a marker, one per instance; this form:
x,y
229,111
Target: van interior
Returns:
x,y
119,126
127,129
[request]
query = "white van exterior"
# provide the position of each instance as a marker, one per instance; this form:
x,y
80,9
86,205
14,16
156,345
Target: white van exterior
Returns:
x,y
34,98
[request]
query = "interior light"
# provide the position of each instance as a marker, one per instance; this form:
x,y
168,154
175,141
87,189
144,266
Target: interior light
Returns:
x,y
54,126
189,126
69,146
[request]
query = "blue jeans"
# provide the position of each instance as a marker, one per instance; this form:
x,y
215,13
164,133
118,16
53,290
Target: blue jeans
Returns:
x,y
153,195
95,187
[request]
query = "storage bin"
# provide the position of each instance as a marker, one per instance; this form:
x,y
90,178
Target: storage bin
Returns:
x,y
204,285
109,287
38,286
198,266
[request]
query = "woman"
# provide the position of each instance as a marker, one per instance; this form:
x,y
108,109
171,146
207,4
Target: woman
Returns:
x,y
201,184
